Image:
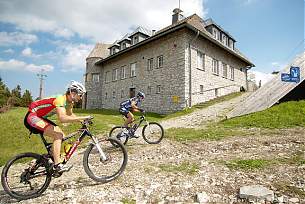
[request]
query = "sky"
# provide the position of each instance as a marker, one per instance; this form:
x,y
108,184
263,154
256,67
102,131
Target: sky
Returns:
x,y
57,36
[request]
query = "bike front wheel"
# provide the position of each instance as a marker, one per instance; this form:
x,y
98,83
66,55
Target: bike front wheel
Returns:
x,y
105,170
26,176
117,132
153,133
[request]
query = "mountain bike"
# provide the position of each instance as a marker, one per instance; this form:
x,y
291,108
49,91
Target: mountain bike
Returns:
x,y
28,175
152,132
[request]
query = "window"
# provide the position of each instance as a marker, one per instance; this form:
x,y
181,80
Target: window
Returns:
x,y
106,95
231,73
133,70
224,39
200,61
123,72
115,73
135,39
124,45
158,89
95,77
113,94
122,93
215,33
149,90
218,35
160,61
215,67
107,76
224,70
231,43
201,89
150,63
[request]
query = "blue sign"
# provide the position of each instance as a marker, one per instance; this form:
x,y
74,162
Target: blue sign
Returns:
x,y
293,76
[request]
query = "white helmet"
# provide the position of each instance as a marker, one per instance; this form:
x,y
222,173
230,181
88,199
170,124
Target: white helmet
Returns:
x,y
76,87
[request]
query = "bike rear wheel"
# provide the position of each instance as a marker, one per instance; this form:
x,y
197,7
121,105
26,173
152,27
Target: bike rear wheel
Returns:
x,y
117,132
153,133
109,169
26,176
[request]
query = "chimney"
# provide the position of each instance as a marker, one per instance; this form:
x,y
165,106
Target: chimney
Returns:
x,y
177,16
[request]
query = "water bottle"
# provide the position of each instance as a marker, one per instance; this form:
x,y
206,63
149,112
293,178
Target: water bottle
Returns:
x,y
67,148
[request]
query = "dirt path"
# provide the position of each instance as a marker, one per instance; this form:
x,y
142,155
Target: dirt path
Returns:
x,y
151,177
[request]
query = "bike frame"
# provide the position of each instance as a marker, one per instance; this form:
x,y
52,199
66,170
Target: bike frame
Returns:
x,y
84,131
141,120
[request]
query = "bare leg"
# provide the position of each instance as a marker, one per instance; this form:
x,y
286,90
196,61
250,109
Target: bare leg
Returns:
x,y
56,133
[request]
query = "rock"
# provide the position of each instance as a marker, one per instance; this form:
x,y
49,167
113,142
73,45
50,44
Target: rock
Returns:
x,y
256,192
202,197
294,200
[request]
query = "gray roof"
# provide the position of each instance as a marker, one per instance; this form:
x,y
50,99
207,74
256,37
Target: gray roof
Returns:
x,y
211,22
142,30
126,37
193,22
114,44
99,51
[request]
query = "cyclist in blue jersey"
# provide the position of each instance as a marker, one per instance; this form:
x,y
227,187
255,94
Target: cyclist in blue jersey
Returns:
x,y
129,106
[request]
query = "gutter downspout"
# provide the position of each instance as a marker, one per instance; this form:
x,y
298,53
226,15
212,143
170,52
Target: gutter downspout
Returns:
x,y
190,68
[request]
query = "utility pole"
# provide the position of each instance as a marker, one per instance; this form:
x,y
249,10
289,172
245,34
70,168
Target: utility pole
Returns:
x,y
41,78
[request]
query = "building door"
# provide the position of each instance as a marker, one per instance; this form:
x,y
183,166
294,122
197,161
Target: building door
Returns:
x,y
132,92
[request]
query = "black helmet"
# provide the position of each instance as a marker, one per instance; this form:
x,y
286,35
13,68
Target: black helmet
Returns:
x,y
141,95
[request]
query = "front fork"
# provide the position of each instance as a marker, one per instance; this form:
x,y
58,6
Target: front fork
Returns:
x,y
98,146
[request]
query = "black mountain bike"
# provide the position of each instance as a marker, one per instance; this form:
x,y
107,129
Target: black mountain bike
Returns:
x,y
28,175
152,132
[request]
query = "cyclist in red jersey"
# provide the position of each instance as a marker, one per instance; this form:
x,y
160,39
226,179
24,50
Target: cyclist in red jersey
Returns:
x,y
36,118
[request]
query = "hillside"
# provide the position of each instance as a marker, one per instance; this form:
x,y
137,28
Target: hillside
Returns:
x,y
213,158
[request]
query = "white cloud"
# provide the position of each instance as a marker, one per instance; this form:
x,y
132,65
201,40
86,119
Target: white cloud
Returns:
x,y
101,20
16,65
74,57
260,76
27,52
16,38
9,51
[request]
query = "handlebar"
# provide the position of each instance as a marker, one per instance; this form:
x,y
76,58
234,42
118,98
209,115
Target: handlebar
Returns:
x,y
88,121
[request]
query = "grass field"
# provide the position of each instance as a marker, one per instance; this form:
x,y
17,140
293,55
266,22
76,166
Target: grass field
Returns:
x,y
14,137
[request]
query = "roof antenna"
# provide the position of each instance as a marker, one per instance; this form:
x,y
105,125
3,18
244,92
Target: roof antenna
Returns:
x,y
179,4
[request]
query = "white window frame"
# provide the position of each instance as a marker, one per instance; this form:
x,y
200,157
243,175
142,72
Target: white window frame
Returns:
x,y
123,72
160,61
133,67
232,73
215,66
96,77
150,64
115,74
224,70
200,60
224,39
107,76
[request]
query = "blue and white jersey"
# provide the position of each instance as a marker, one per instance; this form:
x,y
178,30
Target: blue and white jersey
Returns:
x,y
127,104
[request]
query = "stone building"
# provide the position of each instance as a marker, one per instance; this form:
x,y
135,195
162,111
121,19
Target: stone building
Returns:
x,y
186,63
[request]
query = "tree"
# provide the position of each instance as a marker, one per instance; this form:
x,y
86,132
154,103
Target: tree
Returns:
x,y
4,93
26,98
15,99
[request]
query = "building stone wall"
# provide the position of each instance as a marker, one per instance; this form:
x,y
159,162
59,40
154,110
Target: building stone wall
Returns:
x,y
94,89
213,85
172,77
